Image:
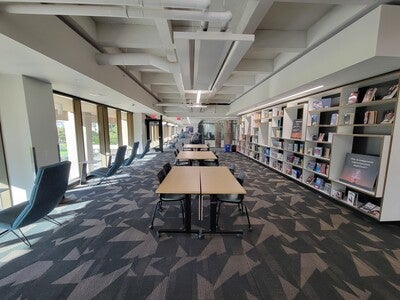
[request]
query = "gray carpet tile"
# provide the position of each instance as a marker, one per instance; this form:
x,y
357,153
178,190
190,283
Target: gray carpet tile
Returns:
x,y
302,245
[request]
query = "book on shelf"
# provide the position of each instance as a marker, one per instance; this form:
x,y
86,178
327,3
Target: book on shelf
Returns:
x,y
321,137
297,129
301,148
318,167
348,119
310,179
318,151
391,92
370,117
296,173
337,194
319,183
327,188
326,102
388,117
360,170
376,211
327,169
352,198
290,158
353,98
369,95
314,120
330,136
267,152
297,160
334,119
327,152
311,165
323,168
290,146
288,170
296,147
316,104
278,133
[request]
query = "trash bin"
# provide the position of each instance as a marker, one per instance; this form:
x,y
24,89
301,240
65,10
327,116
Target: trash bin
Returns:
x,y
227,147
233,148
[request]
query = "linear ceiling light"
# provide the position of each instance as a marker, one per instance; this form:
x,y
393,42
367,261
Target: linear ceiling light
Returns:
x,y
280,100
198,97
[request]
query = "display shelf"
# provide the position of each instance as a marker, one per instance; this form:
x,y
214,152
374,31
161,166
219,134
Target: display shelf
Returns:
x,y
318,157
317,173
372,103
294,165
294,152
318,142
332,108
323,125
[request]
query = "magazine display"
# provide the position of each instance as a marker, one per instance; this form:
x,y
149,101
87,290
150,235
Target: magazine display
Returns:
x,y
369,95
388,118
353,98
352,198
348,119
360,170
391,92
297,129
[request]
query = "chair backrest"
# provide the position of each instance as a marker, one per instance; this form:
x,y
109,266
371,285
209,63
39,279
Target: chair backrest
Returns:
x,y
241,177
161,175
49,188
167,167
146,149
232,168
129,160
176,153
119,160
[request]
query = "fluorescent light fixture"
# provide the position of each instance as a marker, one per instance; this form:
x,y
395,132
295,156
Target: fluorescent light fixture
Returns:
x,y
198,96
280,100
197,106
164,123
188,120
170,124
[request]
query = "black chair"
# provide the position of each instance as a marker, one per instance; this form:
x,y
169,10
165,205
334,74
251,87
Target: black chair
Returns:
x,y
49,188
180,162
232,168
145,150
209,163
129,160
167,198
167,167
233,199
111,170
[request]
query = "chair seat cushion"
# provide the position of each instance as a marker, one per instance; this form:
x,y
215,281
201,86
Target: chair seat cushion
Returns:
x,y
100,172
8,215
230,198
172,197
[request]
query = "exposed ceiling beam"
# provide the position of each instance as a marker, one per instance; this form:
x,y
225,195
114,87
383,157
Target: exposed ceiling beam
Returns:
x,y
255,66
169,96
339,2
240,80
231,90
222,97
253,14
164,29
164,89
282,40
157,78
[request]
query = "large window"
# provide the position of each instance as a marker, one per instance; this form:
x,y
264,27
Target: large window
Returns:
x,y
124,128
91,138
65,118
113,129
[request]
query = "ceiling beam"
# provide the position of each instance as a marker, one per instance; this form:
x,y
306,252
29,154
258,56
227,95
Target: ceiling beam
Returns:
x,y
128,36
231,90
255,66
281,40
164,89
253,14
240,80
339,2
157,78
164,29
176,96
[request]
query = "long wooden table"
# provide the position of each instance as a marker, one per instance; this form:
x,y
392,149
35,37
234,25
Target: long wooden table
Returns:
x,y
195,146
196,155
200,181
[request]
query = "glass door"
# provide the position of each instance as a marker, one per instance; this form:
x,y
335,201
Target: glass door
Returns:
x,y
5,195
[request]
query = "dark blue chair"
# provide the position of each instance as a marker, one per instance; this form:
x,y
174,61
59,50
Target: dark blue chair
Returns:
x,y
49,188
111,170
145,150
129,160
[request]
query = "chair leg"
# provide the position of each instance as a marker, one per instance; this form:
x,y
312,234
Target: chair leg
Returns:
x,y
23,239
240,208
51,220
218,212
248,219
183,213
154,214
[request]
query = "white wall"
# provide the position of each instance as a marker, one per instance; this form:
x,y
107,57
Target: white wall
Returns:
x,y
16,137
139,129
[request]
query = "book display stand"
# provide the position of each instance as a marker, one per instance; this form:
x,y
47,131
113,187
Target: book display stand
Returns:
x,y
313,140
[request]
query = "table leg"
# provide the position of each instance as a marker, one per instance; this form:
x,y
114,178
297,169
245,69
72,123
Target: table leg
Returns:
x,y
84,173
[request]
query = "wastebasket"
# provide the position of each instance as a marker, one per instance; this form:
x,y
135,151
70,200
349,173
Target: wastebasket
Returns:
x,y
233,148
227,147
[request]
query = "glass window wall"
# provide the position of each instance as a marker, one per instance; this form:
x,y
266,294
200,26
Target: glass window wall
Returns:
x,y
91,137
113,130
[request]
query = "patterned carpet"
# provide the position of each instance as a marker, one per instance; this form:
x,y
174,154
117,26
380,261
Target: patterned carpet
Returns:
x,y
301,246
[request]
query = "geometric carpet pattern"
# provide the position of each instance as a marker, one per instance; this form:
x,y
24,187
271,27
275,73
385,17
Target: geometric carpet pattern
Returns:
x,y
302,245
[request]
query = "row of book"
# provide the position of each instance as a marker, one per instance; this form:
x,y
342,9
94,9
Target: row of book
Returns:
x,y
319,183
294,159
318,167
319,151
296,173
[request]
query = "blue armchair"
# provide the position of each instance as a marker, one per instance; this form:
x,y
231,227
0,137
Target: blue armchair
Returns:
x,y
145,150
129,160
50,185
111,170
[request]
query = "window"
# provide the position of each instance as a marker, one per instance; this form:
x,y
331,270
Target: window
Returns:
x,y
65,119
113,129
125,128
5,196
91,137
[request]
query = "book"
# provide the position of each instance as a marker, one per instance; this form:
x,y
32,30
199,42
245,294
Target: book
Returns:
x,y
370,117
310,179
352,198
316,104
296,147
319,183
330,136
376,211
337,194
348,119
297,160
267,152
326,102
327,152
369,95
311,165
318,151
327,188
318,167
314,120
367,206
391,92
334,119
388,118
360,170
321,137
301,148
323,168
289,146
353,98
297,129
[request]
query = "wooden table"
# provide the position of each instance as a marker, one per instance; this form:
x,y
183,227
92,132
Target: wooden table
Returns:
x,y
182,180
216,181
194,146
196,155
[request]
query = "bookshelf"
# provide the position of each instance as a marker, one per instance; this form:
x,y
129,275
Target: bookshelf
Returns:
x,y
331,128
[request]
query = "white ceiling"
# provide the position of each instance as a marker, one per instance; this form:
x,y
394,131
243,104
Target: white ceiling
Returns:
x,y
282,30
